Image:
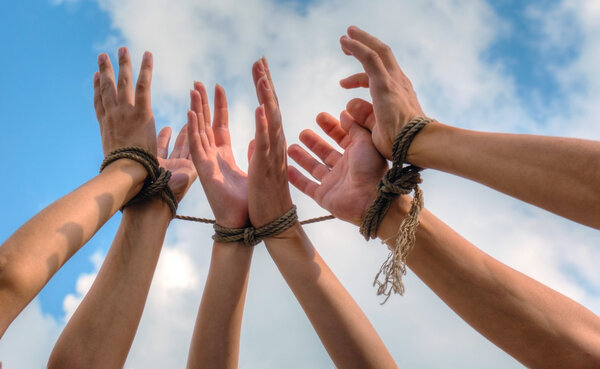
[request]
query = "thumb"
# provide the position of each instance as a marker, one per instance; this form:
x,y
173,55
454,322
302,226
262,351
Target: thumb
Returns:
x,y
362,112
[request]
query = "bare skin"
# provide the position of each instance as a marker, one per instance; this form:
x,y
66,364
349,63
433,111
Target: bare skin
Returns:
x,y
33,254
536,325
102,329
344,330
216,339
561,175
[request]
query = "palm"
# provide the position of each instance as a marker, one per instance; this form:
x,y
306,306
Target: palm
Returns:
x,y
349,182
351,185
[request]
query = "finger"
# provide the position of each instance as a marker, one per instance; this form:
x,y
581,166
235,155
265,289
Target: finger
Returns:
x,y
355,80
261,135
332,127
181,147
268,72
351,126
162,142
250,149
107,82
369,59
322,149
98,107
383,50
316,169
362,112
197,150
302,183
144,81
221,122
205,108
124,84
271,108
198,108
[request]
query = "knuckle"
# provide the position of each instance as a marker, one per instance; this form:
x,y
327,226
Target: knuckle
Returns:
x,y
124,80
105,88
384,49
142,85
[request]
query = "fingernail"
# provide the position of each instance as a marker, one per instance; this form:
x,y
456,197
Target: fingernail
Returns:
x,y
96,77
147,55
345,38
121,52
264,60
265,83
101,59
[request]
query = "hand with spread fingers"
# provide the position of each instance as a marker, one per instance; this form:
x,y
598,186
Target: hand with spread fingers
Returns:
x,y
125,117
268,189
225,184
183,173
395,102
353,174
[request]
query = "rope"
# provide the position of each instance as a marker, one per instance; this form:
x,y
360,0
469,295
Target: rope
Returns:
x,y
252,236
212,221
398,180
157,182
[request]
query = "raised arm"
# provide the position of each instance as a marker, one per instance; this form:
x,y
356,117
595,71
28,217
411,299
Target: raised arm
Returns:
x,y
531,322
216,339
344,330
561,175
31,256
100,333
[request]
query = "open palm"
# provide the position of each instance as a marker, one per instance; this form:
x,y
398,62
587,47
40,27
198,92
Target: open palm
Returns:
x,y
348,180
225,184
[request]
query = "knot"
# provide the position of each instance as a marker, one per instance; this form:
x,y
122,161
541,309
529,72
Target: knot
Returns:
x,y
250,237
400,181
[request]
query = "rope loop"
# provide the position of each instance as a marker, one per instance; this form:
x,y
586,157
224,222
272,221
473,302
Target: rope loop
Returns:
x,y
398,180
157,182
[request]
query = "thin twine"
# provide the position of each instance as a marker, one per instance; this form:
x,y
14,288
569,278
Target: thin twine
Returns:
x,y
398,180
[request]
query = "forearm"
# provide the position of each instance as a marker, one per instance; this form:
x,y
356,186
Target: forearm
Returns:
x,y
216,338
533,323
33,254
345,331
561,175
100,333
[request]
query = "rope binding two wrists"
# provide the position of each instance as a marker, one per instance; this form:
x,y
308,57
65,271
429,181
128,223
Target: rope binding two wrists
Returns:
x,y
398,180
157,181
251,236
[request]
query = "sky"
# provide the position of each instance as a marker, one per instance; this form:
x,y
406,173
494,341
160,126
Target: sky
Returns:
x,y
504,66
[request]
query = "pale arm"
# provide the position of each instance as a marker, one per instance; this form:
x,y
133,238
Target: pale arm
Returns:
x,y
216,339
344,330
100,333
35,252
533,323
561,175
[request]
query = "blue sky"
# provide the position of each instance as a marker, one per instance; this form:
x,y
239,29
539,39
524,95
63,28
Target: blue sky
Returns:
x,y
50,132
51,142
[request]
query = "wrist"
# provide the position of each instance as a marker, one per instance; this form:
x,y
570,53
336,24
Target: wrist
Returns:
x,y
432,138
399,208
134,171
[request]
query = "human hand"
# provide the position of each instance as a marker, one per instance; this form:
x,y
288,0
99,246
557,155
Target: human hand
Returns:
x,y
225,184
395,102
268,189
125,119
348,180
183,173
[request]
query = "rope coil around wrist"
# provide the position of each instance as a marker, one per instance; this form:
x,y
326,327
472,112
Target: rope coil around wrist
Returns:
x,y
398,180
157,182
251,236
